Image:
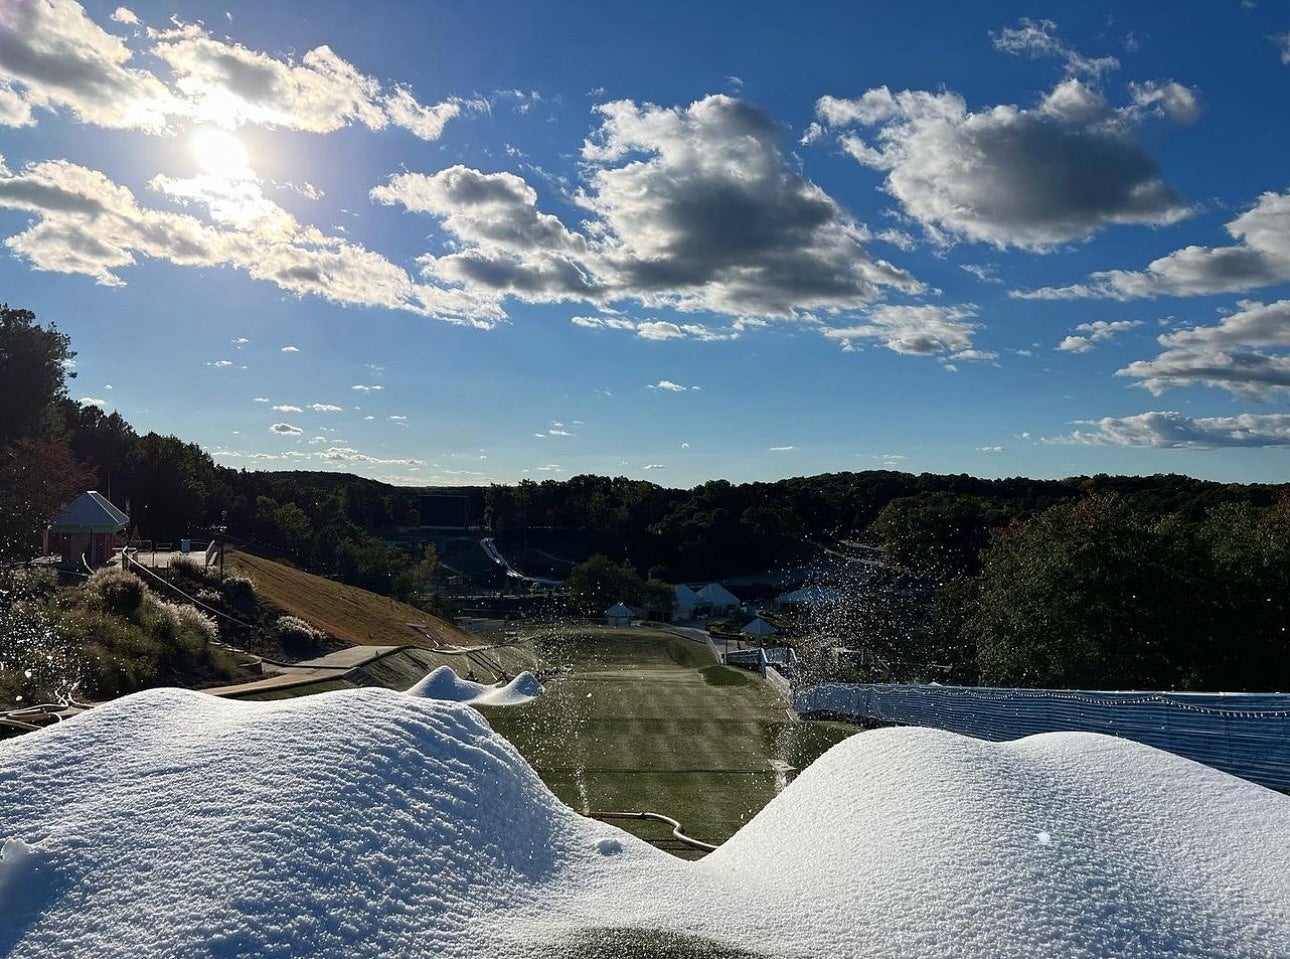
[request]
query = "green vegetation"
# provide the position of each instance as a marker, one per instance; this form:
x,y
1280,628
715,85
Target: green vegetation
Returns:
x,y
1101,593
638,724
109,638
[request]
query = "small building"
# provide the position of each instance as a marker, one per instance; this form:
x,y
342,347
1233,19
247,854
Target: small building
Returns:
x,y
687,601
719,598
619,615
88,526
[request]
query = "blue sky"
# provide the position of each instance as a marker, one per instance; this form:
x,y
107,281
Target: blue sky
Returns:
x,y
468,243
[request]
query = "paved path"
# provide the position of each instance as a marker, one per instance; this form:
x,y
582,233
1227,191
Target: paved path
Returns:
x,y
332,666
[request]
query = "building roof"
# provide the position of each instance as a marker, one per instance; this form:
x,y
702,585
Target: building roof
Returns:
x,y
618,609
718,595
810,595
758,627
686,597
91,512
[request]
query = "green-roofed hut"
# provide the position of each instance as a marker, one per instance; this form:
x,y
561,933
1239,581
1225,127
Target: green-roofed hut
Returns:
x,y
88,526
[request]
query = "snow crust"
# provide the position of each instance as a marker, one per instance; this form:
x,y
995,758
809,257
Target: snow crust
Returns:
x,y
372,823
444,684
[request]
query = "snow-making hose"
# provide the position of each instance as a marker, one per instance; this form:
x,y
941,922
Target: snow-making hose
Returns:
x,y
677,831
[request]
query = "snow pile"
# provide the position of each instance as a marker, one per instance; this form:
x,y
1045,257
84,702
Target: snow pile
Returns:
x,y
444,684
369,823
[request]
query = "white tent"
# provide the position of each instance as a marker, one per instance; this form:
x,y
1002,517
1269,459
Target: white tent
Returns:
x,y
720,598
809,596
686,600
758,627
619,615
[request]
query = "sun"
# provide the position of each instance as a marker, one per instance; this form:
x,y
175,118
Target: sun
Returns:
x,y
219,153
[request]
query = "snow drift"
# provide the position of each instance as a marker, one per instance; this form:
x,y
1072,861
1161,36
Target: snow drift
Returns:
x,y
371,823
444,684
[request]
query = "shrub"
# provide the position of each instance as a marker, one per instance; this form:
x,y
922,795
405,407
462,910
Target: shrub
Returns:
x,y
239,592
297,636
119,591
188,566
194,621
211,597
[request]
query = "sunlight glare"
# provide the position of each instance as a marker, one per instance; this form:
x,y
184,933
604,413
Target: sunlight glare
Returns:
x,y
219,153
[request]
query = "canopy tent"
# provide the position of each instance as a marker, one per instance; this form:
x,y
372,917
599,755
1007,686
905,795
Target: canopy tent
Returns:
x,y
809,596
758,627
686,601
718,597
619,615
87,526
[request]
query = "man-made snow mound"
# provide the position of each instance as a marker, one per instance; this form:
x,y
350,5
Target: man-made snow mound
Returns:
x,y
370,823
446,685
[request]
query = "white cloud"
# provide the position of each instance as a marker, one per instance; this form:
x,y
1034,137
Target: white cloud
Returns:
x,y
551,468
1170,430
364,388
124,15
90,225
1260,257
1246,353
54,57
1282,40
658,330
397,418
92,401
1174,100
325,408
240,341
290,349
285,408
780,449
285,429
924,330
1038,38
667,386
989,449
1010,176
260,399
345,454
654,466
693,208
220,364
1096,332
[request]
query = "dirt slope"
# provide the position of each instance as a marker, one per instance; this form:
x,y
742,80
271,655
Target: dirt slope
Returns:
x,y
347,612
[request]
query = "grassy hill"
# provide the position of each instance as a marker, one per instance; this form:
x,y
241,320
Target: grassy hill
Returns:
x,y
347,612
642,719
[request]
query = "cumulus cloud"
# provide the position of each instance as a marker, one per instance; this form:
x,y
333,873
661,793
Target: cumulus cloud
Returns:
x,y
291,349
365,388
654,466
667,386
92,401
926,329
54,57
660,329
1006,175
325,407
1259,257
285,429
1246,353
87,224
287,408
345,454
58,58
260,399
1282,40
1169,430
693,208
1096,332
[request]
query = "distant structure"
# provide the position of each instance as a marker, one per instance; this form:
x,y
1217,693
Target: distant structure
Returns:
x,y
687,601
719,598
619,615
440,511
88,526
758,627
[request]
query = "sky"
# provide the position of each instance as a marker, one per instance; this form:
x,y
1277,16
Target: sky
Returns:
x,y
456,244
